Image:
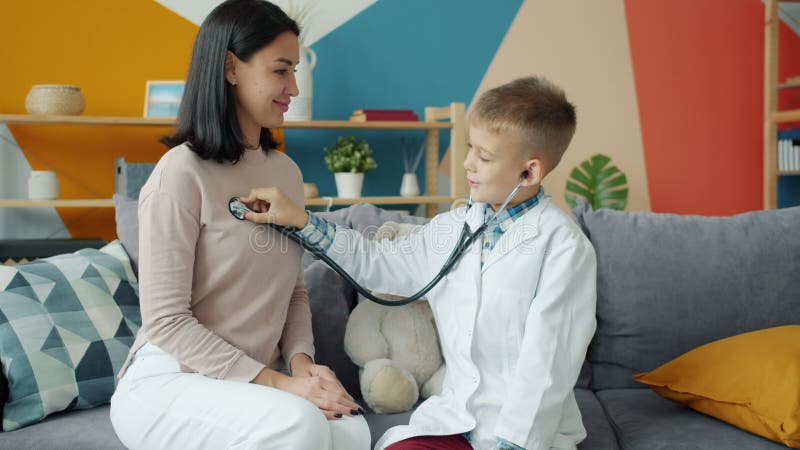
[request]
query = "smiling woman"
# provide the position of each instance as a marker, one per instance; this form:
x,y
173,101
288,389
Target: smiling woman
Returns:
x,y
241,76
208,367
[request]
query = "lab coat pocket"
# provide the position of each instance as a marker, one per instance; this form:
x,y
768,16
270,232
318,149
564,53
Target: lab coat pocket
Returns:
x,y
512,352
512,304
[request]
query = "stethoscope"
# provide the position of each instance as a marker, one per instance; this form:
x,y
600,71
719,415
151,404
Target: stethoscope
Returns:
x,y
465,240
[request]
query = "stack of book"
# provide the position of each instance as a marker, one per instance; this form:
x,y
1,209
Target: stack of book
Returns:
x,y
369,115
789,150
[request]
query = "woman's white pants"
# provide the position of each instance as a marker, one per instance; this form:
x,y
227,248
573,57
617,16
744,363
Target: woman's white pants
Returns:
x,y
156,406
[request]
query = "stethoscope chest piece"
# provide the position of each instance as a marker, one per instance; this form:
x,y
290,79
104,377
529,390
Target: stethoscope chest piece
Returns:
x,y
237,208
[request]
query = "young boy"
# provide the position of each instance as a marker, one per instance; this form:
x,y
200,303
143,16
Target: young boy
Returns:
x,y
516,314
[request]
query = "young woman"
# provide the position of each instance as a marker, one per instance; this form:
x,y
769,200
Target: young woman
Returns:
x,y
204,371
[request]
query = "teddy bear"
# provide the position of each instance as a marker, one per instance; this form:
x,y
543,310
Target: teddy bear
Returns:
x,y
396,348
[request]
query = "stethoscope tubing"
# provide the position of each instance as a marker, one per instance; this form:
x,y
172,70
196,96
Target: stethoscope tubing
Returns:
x,y
465,240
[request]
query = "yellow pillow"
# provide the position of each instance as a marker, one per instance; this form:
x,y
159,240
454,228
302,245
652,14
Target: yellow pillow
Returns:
x,y
751,381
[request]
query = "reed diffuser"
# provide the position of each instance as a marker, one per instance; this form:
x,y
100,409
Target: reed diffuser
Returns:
x,y
412,156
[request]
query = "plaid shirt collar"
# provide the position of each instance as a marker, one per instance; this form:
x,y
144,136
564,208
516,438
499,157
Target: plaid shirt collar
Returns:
x,y
507,216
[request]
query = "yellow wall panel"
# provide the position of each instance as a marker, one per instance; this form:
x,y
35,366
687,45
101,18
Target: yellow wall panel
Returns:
x,y
110,50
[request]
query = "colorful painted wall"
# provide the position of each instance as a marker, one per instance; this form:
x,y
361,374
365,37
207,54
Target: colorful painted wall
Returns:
x,y
672,91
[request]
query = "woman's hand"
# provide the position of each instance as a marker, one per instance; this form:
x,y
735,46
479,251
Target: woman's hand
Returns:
x,y
303,366
273,206
327,394
316,384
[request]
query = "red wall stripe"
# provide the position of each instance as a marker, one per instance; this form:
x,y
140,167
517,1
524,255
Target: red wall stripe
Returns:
x,y
698,69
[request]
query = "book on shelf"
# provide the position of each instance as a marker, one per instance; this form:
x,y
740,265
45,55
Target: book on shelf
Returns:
x,y
789,150
365,115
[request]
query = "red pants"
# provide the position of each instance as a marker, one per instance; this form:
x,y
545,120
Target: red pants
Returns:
x,y
452,442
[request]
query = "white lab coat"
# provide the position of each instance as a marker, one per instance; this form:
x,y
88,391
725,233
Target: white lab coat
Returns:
x,y
514,333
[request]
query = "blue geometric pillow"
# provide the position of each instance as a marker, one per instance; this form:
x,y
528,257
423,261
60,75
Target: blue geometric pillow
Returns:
x,y
66,325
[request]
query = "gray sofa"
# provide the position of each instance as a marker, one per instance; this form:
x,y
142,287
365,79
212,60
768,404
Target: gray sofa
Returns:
x,y
666,284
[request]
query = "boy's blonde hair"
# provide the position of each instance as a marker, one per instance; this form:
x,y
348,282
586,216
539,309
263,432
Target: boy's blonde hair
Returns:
x,y
534,109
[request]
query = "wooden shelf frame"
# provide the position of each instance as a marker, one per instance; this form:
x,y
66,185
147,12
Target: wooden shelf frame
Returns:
x,y
773,117
452,117
792,115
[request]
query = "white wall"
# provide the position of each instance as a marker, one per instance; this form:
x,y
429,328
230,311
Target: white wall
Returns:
x,y
324,16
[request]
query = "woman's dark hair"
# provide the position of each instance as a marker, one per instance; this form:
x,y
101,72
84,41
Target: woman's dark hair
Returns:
x,y
207,118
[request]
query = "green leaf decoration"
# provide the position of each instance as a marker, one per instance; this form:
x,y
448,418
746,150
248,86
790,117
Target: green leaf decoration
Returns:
x,y
349,155
602,185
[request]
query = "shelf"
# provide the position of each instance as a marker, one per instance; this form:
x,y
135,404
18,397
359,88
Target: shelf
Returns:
x,y
318,201
792,115
451,118
788,172
29,119
375,125
790,83
70,203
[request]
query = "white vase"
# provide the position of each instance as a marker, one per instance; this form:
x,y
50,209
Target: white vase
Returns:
x,y
409,187
300,107
348,184
42,185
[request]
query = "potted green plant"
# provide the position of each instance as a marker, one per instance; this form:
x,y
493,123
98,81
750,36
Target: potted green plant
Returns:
x,y
599,183
348,159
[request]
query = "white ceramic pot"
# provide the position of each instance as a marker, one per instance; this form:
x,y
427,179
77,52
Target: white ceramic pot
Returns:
x,y
410,186
348,184
42,185
300,107
55,99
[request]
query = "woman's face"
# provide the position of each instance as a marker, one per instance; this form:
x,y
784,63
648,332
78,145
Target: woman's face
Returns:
x,y
264,85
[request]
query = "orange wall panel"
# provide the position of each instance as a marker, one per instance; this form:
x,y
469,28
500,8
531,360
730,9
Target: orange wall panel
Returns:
x,y
110,50
698,69
699,73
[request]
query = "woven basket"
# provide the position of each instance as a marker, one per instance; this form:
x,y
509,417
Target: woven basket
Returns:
x,y
54,99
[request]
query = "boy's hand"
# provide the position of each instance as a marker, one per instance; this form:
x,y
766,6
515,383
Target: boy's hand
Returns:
x,y
273,206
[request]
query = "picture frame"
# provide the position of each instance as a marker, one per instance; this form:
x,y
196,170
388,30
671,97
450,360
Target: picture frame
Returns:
x,y
162,98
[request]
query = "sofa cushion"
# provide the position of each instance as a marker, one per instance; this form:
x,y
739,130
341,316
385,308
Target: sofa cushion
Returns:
x,y
643,420
66,325
668,283
331,299
126,213
599,432
91,429
3,393
600,435
751,381
86,430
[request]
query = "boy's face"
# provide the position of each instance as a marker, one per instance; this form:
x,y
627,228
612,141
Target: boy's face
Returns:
x,y
494,165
